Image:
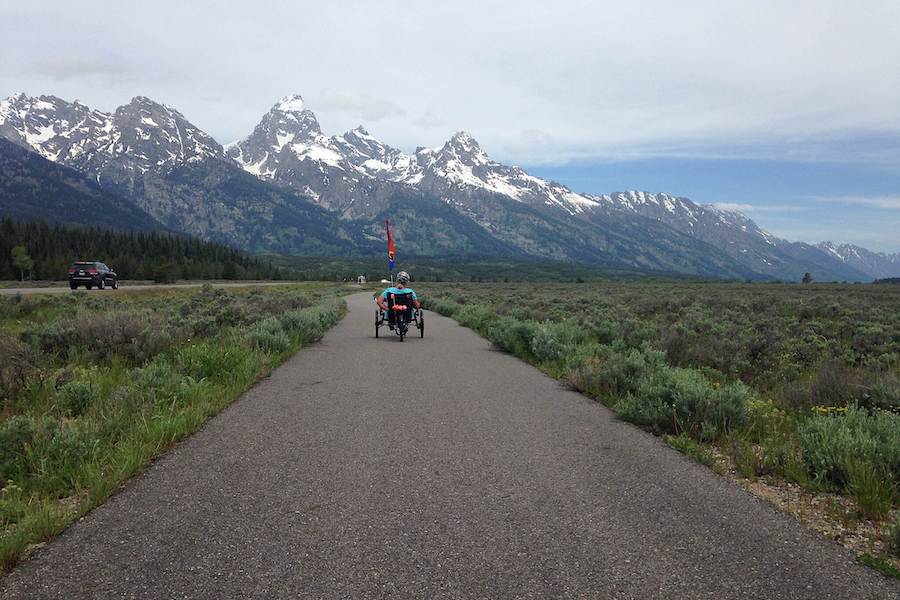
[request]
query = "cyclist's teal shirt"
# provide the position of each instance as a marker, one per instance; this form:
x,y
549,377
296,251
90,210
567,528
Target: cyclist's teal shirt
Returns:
x,y
398,291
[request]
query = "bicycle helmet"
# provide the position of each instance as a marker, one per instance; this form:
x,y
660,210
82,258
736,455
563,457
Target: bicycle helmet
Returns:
x,y
403,277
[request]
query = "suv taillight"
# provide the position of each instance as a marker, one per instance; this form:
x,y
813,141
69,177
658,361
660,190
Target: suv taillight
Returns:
x,y
71,270
92,271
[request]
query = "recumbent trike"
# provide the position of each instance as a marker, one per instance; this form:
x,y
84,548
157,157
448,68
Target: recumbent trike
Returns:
x,y
401,313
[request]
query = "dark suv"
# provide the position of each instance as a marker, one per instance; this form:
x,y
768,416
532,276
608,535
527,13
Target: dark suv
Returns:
x,y
92,273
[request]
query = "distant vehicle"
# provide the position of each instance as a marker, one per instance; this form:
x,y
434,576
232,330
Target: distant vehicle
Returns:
x,y
92,273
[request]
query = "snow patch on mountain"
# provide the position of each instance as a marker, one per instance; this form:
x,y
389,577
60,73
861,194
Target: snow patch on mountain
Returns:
x,y
318,152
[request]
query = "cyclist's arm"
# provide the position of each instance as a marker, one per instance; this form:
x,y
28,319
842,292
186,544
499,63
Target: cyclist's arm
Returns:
x,y
381,300
415,300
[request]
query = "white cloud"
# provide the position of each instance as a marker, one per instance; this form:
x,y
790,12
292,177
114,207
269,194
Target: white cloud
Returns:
x,y
80,68
429,119
881,202
762,208
877,241
734,207
361,105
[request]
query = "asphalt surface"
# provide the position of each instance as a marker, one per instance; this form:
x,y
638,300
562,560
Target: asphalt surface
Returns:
x,y
63,288
432,468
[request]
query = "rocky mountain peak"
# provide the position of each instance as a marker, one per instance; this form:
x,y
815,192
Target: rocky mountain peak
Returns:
x,y
25,106
288,120
370,156
144,106
51,126
292,103
464,142
152,136
363,141
875,264
462,148
143,100
463,137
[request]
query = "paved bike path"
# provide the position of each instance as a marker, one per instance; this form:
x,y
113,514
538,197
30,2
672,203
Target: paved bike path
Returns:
x,y
432,468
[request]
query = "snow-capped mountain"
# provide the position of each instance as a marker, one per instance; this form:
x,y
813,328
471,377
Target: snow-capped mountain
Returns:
x,y
363,179
288,148
288,130
138,137
878,265
731,232
663,207
462,164
355,174
452,199
150,154
57,130
344,171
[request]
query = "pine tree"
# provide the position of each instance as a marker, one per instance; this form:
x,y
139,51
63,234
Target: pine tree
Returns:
x,y
132,255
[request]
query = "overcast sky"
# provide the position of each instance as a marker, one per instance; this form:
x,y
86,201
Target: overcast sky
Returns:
x,y
600,95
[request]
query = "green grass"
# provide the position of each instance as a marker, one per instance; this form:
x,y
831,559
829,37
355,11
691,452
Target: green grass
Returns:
x,y
93,388
690,447
893,538
461,268
12,544
871,488
880,564
746,458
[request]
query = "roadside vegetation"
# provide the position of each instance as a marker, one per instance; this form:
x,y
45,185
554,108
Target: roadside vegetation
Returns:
x,y
461,268
93,387
790,386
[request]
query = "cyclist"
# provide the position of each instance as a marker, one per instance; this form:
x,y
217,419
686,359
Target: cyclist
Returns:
x,y
398,294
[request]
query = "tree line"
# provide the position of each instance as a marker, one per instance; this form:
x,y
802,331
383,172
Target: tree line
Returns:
x,y
159,256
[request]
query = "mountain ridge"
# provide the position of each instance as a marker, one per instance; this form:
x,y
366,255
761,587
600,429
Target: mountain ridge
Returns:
x,y
461,173
144,147
880,265
150,154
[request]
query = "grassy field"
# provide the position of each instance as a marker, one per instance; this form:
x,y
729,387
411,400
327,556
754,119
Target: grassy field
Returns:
x,y
459,269
93,387
794,384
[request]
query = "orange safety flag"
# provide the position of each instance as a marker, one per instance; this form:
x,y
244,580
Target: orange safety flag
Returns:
x,y
390,246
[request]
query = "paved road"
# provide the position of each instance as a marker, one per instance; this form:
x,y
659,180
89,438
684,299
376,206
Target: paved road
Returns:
x,y
435,468
64,288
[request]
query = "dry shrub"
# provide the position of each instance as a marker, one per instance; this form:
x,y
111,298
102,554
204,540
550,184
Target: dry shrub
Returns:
x,y
16,364
834,385
113,333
